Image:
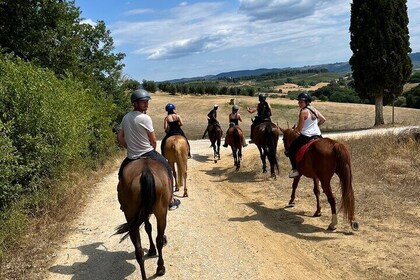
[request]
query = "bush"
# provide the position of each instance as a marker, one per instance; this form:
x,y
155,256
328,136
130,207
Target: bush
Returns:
x,y
48,127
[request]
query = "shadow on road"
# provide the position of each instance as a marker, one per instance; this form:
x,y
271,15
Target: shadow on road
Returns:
x,y
100,265
283,221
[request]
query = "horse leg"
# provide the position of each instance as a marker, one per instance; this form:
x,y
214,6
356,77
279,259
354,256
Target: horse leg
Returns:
x,y
218,148
263,156
294,187
318,204
135,238
326,187
152,248
175,176
161,239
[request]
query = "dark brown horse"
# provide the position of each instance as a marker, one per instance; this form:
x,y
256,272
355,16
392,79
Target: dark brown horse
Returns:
x,y
176,152
322,159
266,136
234,138
215,136
144,190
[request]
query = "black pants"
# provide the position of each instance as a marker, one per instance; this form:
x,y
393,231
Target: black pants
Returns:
x,y
295,146
152,155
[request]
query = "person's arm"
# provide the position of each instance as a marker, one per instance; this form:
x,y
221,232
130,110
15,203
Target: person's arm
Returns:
x,y
321,118
302,116
121,139
251,109
152,139
165,124
269,107
239,118
181,123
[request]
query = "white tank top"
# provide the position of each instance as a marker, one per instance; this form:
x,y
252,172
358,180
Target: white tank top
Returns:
x,y
310,125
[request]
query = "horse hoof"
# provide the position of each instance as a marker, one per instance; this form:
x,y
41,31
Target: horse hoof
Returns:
x,y
185,195
215,161
160,271
317,214
355,225
151,253
331,228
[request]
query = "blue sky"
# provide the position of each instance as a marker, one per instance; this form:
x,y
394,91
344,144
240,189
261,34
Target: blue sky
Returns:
x,y
168,39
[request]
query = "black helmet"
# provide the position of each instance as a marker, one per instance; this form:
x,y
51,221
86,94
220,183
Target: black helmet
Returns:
x,y
304,96
262,97
235,107
140,94
169,107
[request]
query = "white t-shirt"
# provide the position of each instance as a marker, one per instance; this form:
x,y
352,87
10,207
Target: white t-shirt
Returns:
x,y
135,126
310,125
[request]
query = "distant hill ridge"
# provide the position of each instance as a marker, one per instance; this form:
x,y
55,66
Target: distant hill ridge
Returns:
x,y
338,67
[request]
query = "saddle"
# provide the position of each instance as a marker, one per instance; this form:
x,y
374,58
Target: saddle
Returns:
x,y
302,150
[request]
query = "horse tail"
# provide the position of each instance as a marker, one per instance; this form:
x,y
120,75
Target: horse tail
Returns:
x,y
237,140
272,153
147,200
343,170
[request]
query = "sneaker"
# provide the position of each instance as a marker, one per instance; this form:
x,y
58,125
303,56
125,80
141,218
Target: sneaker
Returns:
x,y
225,145
294,173
174,204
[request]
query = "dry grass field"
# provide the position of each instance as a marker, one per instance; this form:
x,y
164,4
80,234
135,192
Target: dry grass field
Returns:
x,y
340,116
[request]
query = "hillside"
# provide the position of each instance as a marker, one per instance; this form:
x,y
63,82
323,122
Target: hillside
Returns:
x,y
337,67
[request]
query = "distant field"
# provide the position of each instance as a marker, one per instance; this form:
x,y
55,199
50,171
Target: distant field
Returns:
x,y
340,116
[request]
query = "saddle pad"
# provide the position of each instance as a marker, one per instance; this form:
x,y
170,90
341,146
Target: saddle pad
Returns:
x,y
302,150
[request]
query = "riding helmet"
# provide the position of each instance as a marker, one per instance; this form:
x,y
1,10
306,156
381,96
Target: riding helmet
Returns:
x,y
235,107
262,97
215,106
304,96
169,107
140,94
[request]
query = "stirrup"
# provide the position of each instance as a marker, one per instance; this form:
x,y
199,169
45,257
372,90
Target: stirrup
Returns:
x,y
294,173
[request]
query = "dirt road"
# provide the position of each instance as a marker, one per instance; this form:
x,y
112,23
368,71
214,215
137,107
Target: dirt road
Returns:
x,y
234,225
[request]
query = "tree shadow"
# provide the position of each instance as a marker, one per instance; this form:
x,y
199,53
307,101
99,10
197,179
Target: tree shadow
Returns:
x,y
100,265
283,221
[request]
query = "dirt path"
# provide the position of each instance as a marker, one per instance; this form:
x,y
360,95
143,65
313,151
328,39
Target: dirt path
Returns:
x,y
234,225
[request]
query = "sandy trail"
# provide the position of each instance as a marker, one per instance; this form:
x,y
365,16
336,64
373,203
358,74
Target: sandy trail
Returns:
x,y
233,225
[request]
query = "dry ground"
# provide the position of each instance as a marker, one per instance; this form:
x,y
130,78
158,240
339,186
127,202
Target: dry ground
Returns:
x,y
236,224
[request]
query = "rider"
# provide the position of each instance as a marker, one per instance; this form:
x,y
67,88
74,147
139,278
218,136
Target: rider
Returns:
x,y
172,125
137,135
212,119
263,113
307,128
234,119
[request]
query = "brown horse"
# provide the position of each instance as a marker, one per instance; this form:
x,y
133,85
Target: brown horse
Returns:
x,y
176,152
322,159
144,189
215,136
266,136
234,138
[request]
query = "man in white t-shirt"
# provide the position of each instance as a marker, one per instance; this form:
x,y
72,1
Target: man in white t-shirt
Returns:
x,y
137,135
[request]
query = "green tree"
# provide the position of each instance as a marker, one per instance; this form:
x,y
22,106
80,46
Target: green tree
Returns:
x,y
379,40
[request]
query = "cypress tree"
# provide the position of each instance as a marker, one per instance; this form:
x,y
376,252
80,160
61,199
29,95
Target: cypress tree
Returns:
x,y
379,40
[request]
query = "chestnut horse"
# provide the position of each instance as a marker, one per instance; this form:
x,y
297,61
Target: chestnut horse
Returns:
x,y
144,189
322,159
176,152
215,136
266,136
234,138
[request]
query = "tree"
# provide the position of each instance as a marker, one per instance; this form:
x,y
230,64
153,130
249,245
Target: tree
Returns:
x,y
379,40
